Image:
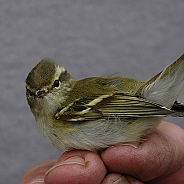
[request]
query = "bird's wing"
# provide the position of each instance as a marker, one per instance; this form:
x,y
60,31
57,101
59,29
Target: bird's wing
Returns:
x,y
111,106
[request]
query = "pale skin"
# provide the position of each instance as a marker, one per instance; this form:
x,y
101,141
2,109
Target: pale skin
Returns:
x,y
158,160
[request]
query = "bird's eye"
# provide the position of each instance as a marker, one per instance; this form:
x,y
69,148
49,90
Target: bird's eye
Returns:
x,y
56,83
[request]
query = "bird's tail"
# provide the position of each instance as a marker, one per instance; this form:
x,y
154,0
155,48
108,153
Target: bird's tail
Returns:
x,y
166,86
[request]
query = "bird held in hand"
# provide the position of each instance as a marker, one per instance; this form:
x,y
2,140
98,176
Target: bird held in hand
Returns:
x,y
98,112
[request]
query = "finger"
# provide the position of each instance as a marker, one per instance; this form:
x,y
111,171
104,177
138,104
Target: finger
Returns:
x,y
160,155
36,174
177,177
115,178
77,167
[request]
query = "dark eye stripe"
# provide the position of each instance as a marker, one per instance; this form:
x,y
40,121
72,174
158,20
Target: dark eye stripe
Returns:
x,y
63,76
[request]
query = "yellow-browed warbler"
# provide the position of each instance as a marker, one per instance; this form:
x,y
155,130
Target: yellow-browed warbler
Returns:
x,y
98,112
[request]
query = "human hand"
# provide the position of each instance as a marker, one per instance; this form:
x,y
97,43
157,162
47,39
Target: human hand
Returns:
x,y
159,159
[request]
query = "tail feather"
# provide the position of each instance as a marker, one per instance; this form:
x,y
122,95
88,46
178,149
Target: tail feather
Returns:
x,y
165,87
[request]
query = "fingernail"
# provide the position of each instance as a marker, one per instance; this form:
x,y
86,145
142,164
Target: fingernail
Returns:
x,y
78,160
39,180
120,180
126,179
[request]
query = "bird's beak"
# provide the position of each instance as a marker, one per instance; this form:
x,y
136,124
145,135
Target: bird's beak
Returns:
x,y
41,93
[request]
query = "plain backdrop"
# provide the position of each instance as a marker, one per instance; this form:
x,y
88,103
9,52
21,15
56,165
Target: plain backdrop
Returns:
x,y
135,39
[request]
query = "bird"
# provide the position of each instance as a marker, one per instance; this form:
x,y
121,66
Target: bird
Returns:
x,y
98,112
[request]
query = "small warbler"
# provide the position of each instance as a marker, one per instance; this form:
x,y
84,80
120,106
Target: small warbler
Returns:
x,y
98,112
